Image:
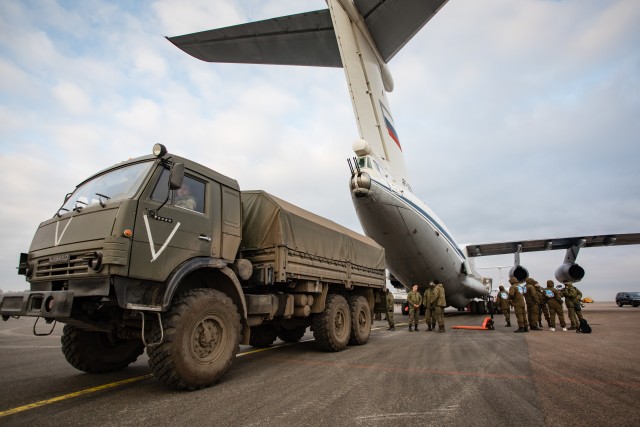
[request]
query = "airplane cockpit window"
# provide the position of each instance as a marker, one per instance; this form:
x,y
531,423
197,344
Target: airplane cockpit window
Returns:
x,y
364,162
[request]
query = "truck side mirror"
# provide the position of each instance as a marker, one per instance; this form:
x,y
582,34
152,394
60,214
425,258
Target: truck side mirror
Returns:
x,y
176,176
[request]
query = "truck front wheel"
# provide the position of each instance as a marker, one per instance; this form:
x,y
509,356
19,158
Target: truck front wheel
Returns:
x,y
332,327
201,339
360,320
98,352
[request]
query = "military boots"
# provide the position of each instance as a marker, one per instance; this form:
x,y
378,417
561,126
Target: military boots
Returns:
x,y
519,330
416,327
441,328
410,327
429,328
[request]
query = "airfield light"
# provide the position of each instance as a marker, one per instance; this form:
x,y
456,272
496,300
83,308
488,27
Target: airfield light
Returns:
x,y
127,233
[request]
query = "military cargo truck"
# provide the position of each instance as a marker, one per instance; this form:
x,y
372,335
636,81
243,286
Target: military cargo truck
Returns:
x,y
164,253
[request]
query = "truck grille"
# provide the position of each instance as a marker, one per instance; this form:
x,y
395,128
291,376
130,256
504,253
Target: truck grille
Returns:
x,y
74,266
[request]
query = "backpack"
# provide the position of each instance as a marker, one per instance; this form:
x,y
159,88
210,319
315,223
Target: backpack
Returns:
x,y
584,327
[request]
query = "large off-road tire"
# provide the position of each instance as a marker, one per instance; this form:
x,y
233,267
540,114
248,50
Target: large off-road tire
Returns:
x,y
98,352
201,339
263,335
332,327
292,335
360,320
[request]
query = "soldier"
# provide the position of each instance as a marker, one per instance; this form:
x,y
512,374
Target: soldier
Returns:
x,y
554,301
414,301
438,299
502,299
516,297
429,314
532,298
543,308
390,308
571,299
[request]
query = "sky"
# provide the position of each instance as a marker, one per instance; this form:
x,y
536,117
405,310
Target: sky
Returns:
x,y
519,119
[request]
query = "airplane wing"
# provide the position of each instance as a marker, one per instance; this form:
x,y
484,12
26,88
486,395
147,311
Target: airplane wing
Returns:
x,y
308,38
486,249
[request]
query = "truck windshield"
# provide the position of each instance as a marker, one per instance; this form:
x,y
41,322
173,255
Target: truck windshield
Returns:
x,y
116,184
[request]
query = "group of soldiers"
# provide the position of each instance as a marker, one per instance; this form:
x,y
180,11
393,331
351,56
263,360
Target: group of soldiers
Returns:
x,y
433,301
530,301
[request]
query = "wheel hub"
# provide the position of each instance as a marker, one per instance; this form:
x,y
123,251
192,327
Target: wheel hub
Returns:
x,y
205,338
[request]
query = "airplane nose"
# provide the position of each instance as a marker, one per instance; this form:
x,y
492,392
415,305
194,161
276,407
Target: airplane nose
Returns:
x,y
360,184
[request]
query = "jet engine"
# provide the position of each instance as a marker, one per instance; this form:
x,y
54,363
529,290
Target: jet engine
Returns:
x,y
569,272
519,273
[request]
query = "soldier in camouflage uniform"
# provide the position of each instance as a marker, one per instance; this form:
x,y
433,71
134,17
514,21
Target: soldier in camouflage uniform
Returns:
x,y
571,299
543,308
516,297
502,299
439,300
429,314
414,301
554,301
390,309
532,298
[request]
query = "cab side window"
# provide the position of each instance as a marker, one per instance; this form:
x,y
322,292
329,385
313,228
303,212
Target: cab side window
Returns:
x,y
189,196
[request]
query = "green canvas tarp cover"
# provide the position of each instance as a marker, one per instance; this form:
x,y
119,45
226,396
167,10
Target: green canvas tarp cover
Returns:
x,y
269,222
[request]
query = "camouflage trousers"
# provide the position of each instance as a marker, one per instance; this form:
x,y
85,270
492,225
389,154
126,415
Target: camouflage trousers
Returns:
x,y
544,309
430,316
439,315
414,314
390,319
532,314
507,315
552,315
574,316
521,316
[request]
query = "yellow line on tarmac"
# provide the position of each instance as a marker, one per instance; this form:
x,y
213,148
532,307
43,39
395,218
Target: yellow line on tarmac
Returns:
x,y
72,395
117,384
108,386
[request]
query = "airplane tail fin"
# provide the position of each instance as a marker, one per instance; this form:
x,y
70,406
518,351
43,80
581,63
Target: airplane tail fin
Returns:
x,y
359,35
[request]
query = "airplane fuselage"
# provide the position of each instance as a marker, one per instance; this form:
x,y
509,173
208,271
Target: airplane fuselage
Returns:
x,y
419,248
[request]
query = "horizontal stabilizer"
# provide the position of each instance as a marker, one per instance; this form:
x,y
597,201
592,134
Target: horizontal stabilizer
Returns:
x,y
486,249
392,23
309,38
302,39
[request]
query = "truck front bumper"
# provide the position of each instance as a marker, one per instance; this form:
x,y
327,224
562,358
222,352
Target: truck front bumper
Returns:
x,y
48,304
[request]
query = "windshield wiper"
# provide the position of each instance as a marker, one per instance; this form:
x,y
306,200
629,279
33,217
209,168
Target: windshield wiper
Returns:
x,y
61,209
100,196
77,208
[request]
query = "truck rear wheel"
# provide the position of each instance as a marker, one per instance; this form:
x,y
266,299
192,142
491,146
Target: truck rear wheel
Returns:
x,y
263,336
201,339
360,320
292,335
98,352
332,327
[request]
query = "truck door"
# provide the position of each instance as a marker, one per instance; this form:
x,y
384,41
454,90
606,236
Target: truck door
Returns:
x,y
180,230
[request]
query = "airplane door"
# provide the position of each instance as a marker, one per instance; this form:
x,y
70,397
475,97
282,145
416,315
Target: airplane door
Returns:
x,y
173,233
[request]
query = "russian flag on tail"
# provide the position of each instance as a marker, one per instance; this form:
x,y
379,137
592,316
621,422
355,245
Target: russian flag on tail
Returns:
x,y
388,121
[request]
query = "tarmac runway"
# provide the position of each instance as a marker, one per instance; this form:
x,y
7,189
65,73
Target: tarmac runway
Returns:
x,y
459,378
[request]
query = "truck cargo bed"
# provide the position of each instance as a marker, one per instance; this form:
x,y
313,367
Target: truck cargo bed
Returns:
x,y
286,243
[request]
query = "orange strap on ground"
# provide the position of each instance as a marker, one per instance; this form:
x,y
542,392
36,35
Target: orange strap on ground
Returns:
x,y
484,326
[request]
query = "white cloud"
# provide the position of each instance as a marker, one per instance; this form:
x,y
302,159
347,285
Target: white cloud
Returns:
x,y
518,119
72,97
